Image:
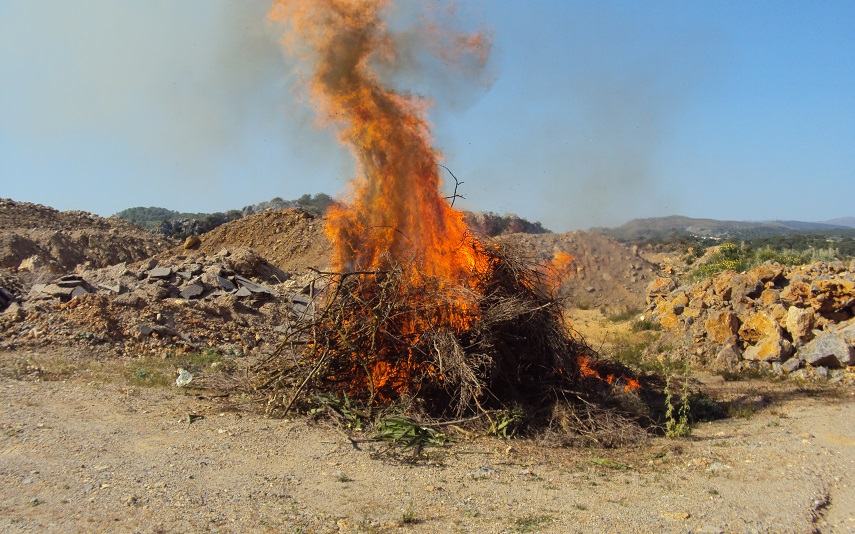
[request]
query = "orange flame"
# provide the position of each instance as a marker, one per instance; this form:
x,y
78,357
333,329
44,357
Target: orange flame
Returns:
x,y
587,369
559,269
397,211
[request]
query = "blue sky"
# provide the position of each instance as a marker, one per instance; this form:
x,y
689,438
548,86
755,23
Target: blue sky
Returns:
x,y
589,113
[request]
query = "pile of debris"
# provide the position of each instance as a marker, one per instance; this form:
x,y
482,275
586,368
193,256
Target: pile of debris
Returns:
x,y
797,320
499,347
232,299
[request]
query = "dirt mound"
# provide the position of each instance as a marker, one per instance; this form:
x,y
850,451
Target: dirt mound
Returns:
x,y
44,239
604,273
291,239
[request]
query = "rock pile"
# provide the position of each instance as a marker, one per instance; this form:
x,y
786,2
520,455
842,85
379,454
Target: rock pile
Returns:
x,y
769,318
232,299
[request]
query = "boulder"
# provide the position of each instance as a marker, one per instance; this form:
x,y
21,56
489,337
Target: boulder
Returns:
x,y
766,273
745,286
192,242
799,323
797,293
659,288
832,294
721,326
722,284
757,326
727,359
831,349
769,297
772,348
31,264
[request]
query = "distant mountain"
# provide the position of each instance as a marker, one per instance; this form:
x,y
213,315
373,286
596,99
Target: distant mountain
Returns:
x,y
842,221
658,228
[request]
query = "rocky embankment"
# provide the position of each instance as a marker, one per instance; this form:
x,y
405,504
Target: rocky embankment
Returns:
x,y
798,321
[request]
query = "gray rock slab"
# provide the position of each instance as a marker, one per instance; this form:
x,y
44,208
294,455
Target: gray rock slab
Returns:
x,y
829,349
160,272
192,291
225,284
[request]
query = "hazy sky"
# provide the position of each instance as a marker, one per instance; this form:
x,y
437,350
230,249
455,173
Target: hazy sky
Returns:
x,y
589,113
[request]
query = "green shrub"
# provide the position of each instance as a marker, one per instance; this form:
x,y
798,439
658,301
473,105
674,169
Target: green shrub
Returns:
x,y
740,257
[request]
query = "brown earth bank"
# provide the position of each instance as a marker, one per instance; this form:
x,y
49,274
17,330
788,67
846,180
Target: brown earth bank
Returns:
x,y
47,240
90,451
604,273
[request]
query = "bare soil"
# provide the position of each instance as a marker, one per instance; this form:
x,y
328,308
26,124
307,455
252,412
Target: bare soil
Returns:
x,y
90,451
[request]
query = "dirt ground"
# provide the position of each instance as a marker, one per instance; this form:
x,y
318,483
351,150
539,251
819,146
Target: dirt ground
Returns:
x,y
92,454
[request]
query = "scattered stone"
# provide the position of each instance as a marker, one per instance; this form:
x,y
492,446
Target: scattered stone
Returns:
x,y
160,272
144,330
225,284
70,280
252,286
791,365
727,359
485,471
243,292
192,242
14,312
184,378
112,287
78,292
192,291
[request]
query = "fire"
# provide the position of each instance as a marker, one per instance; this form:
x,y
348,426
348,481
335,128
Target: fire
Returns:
x,y
559,269
588,369
397,217
397,212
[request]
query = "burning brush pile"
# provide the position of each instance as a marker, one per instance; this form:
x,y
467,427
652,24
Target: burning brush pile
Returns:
x,y
415,312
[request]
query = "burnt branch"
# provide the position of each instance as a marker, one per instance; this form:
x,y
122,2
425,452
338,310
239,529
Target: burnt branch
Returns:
x,y
457,183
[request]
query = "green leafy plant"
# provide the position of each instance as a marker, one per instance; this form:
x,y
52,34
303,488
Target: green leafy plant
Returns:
x,y
342,408
404,432
507,423
677,423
